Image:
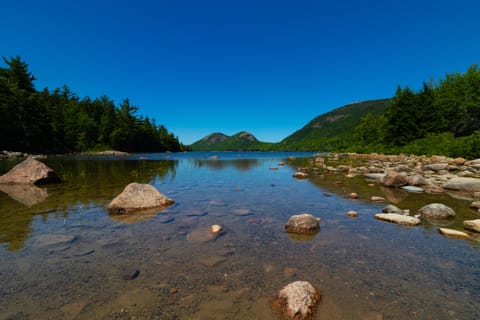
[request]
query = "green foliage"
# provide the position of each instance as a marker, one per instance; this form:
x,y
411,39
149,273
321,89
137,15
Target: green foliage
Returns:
x,y
442,118
58,121
333,130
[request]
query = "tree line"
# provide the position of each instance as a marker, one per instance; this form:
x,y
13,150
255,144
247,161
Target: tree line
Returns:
x,y
442,117
58,121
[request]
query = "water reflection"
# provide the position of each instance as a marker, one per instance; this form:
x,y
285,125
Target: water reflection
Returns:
x,y
92,183
136,216
28,195
218,164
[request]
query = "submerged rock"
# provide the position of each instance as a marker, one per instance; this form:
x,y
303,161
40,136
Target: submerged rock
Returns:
x,y
436,211
136,197
297,300
398,219
30,171
303,223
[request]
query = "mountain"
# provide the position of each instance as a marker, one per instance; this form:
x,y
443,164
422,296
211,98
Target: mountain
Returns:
x,y
332,130
242,141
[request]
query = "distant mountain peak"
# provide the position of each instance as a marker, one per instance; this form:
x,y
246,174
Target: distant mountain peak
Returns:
x,y
214,138
247,135
217,141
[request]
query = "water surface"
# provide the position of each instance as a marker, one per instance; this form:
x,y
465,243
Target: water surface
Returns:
x,y
63,256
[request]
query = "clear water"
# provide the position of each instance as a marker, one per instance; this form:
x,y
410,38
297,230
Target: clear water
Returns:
x,y
63,256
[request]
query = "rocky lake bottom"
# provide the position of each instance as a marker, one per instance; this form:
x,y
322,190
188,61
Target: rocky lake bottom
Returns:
x,y
64,256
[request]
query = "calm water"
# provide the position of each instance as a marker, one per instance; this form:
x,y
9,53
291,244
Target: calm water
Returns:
x,y
62,256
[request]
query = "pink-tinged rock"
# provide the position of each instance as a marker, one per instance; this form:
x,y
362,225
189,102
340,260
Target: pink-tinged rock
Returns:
x,y
393,179
297,300
377,199
137,197
300,175
30,171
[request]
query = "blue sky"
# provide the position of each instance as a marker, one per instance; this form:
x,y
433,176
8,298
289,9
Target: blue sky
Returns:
x,y
267,67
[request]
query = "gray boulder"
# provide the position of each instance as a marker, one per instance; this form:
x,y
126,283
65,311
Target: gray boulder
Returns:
x,y
436,211
463,184
392,209
297,300
30,171
303,223
137,197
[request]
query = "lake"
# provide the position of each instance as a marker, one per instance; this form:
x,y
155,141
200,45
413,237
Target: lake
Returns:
x,y
63,256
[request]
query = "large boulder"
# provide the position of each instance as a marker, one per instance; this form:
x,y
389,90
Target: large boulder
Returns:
x,y
136,197
303,223
416,180
393,179
297,300
463,184
30,171
436,211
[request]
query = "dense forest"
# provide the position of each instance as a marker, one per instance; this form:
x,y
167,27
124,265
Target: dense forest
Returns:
x,y
58,121
441,118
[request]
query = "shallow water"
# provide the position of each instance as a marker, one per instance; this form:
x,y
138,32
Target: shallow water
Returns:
x,y
63,256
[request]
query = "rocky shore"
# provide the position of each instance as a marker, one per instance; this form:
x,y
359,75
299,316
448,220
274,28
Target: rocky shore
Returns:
x,y
437,174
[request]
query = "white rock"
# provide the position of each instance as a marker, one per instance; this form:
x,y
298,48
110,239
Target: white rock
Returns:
x,y
398,219
473,225
216,229
453,233
412,189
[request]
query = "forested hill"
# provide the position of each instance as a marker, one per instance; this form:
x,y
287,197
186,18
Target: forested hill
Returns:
x,y
58,121
333,130
242,141
443,117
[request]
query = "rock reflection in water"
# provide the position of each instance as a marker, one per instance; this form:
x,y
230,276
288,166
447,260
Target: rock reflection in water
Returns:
x,y
136,216
28,195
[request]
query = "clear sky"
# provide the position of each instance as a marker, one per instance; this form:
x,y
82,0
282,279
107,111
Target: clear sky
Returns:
x,y
267,67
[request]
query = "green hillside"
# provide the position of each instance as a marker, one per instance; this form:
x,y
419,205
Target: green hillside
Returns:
x,y
332,130
242,141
